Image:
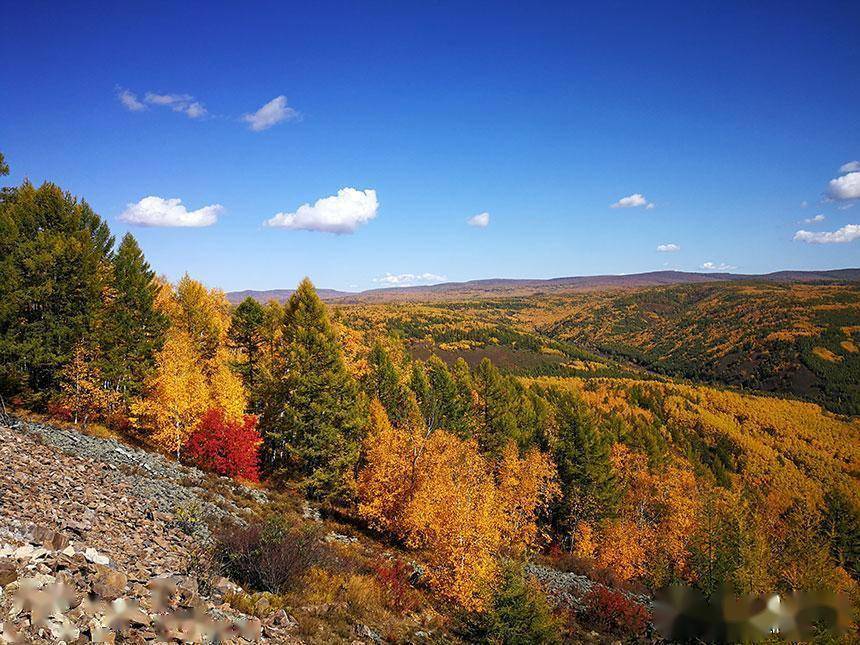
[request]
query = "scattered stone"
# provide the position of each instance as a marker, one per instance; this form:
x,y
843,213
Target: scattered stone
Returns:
x,y
8,572
94,556
108,583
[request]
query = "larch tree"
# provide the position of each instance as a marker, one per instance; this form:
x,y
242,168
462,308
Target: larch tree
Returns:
x,y
383,382
132,328
495,412
54,259
81,387
312,420
589,487
177,393
246,335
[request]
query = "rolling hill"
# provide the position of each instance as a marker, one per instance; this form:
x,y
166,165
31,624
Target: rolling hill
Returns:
x,y
506,287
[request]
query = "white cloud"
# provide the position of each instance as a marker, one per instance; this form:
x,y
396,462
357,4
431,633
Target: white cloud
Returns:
x,y
270,114
183,103
804,204
156,211
668,248
481,220
717,266
633,201
847,233
409,279
813,220
341,213
129,100
851,166
844,187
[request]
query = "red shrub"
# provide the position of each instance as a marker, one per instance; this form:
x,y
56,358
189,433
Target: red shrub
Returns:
x,y
59,410
613,611
394,578
225,447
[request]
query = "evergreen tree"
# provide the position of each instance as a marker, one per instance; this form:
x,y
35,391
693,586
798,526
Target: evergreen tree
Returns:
x,y
54,259
465,397
383,383
246,334
589,486
313,420
519,614
132,329
496,417
841,527
4,167
448,409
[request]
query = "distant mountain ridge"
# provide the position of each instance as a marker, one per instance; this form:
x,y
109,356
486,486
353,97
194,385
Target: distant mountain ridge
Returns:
x,y
501,287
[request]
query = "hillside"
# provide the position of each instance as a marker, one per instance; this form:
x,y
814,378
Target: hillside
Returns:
x,y
799,338
109,521
501,287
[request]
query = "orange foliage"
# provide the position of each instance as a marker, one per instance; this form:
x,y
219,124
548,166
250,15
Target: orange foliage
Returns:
x,y
437,493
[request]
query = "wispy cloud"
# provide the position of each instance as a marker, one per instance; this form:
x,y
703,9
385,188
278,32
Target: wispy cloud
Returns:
x,y
717,266
668,248
847,233
481,220
156,211
129,100
633,201
184,103
814,220
270,114
851,166
341,213
409,279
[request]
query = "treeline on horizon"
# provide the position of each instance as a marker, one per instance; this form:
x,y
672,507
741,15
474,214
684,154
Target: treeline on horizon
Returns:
x,y
638,484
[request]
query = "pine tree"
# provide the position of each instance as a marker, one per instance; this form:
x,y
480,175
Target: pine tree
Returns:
x,y
54,261
841,526
313,420
589,486
496,418
132,329
383,383
246,334
448,409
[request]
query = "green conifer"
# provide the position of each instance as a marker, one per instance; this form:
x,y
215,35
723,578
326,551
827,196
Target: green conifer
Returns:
x,y
312,421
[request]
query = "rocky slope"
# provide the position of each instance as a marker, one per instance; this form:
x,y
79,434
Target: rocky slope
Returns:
x,y
97,542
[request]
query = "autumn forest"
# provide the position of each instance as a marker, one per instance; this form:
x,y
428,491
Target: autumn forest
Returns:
x,y
700,434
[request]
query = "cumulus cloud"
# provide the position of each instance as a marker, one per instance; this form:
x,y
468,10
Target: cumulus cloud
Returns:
x,y
129,100
813,220
341,213
717,266
668,248
156,211
844,187
184,103
851,166
847,233
409,279
481,220
633,201
270,114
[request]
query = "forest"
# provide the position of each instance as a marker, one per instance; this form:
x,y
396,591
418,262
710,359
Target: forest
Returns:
x,y
477,436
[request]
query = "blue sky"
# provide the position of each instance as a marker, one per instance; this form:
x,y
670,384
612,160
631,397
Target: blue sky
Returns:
x,y
725,117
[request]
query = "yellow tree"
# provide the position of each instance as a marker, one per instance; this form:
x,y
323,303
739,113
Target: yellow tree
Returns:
x,y
436,492
525,486
193,372
177,394
82,389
